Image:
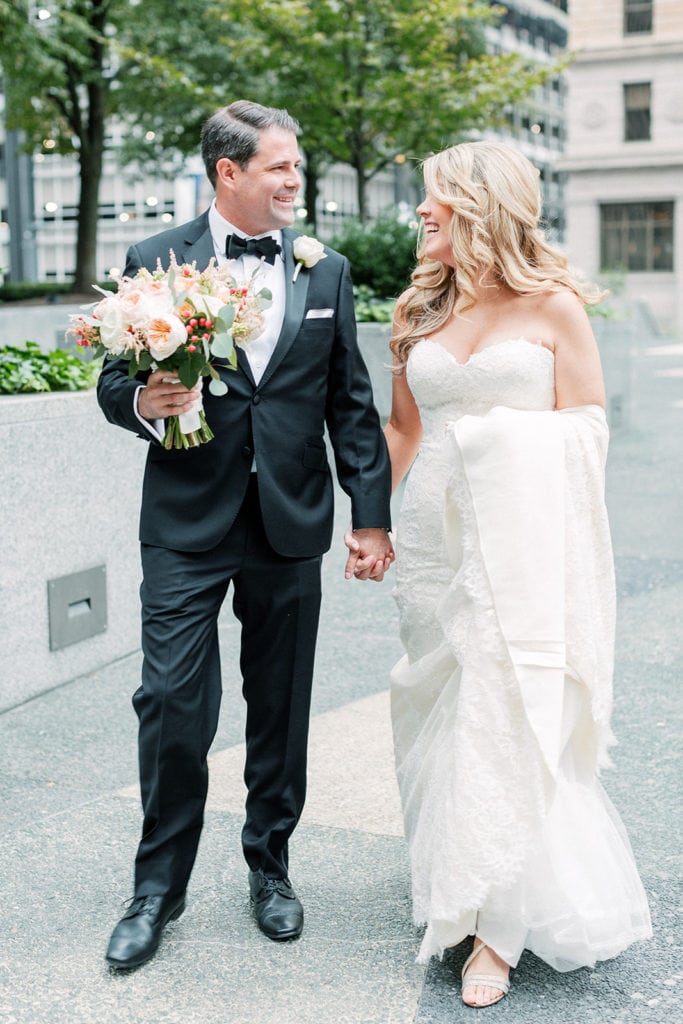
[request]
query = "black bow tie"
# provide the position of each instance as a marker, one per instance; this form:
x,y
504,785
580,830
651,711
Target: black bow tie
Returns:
x,y
236,246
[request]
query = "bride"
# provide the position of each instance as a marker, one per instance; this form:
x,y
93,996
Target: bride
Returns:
x,y
505,587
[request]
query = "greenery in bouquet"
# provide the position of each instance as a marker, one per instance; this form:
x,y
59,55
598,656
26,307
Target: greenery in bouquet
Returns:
x,y
176,320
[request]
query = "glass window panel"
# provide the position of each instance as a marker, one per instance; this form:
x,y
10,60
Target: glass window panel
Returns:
x,y
637,236
637,16
636,246
637,98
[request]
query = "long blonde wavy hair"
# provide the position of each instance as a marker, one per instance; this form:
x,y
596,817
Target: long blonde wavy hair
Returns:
x,y
494,193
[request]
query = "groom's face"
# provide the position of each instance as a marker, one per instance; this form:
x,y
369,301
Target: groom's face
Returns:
x,y
261,196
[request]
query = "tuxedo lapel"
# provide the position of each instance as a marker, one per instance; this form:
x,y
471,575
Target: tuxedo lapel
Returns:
x,y
295,305
198,244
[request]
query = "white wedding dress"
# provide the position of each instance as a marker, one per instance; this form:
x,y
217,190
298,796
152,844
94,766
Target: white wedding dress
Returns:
x,y
501,704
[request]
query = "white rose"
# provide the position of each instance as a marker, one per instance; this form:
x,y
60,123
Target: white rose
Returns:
x,y
108,316
164,335
307,252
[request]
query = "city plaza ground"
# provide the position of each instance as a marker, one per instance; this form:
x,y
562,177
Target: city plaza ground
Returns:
x,y
71,816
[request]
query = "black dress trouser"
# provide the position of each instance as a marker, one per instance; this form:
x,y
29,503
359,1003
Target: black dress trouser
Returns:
x,y
277,601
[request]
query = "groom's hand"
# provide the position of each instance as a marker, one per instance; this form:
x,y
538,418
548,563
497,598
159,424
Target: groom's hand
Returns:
x,y
164,396
370,554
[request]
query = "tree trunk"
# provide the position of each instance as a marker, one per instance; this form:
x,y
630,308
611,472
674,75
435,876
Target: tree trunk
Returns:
x,y
88,210
91,121
361,193
312,187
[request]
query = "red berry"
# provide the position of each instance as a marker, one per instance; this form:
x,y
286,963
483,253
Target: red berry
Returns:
x,y
191,348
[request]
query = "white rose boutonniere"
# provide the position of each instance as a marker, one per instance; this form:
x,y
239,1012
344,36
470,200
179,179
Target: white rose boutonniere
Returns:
x,y
307,252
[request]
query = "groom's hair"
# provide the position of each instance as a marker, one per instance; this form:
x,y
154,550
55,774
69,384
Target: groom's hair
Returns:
x,y
233,133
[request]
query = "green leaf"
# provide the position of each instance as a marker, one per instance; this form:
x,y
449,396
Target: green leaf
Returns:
x,y
188,375
225,318
222,346
218,387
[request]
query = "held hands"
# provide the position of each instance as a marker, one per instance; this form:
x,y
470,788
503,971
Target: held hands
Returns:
x,y
370,554
165,396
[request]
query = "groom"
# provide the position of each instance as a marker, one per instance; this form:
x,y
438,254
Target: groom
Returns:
x,y
253,507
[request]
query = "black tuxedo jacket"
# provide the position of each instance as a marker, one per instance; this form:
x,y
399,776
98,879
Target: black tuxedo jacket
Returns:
x,y
315,378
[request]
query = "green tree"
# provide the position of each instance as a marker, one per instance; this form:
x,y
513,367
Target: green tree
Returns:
x,y
369,80
70,74
372,79
59,89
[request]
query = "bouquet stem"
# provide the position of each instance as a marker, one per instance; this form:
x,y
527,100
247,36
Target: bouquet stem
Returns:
x,y
176,438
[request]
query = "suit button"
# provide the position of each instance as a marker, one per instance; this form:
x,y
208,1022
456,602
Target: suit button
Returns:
x,y
256,399
247,452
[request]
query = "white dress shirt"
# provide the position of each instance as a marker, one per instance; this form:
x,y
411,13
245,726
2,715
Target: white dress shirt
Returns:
x,y
272,276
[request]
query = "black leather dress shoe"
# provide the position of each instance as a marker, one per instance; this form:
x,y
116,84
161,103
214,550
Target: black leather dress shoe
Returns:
x,y
136,937
278,912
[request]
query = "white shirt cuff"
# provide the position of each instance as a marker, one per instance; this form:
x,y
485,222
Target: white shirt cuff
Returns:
x,y
154,427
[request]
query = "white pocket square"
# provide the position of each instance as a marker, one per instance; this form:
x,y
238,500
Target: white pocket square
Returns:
x,y
319,314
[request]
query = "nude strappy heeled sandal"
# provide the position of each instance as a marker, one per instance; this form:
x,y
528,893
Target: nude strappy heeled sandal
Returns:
x,y
488,980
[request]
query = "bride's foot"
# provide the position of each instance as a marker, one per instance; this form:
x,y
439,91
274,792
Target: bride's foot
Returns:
x,y
485,977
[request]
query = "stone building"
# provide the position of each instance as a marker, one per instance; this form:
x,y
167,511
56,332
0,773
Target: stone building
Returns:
x,y
624,157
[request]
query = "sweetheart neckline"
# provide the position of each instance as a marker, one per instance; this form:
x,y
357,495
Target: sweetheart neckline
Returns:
x,y
487,348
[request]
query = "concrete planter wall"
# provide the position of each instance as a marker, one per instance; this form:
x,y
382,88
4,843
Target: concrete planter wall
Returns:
x,y
373,340
45,324
70,494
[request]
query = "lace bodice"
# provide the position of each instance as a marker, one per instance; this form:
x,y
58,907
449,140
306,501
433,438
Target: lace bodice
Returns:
x,y
515,373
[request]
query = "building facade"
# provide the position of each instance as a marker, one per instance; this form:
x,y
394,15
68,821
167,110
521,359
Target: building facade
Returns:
x,y
539,31
624,157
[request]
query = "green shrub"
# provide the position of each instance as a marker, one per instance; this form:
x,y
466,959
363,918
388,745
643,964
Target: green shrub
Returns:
x,y
25,369
381,254
51,291
370,308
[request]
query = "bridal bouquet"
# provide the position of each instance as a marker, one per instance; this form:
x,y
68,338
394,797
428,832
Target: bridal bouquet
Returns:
x,y
175,320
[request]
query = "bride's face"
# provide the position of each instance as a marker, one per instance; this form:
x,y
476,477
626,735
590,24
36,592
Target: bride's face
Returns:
x,y
437,219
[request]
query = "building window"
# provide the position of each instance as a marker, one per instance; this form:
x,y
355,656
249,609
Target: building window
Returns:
x,y
637,16
637,236
637,111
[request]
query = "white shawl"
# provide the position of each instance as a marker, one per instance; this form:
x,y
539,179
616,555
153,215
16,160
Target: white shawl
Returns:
x,y
537,485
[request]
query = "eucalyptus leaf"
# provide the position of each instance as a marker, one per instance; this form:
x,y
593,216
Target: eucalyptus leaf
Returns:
x,y
222,346
225,318
218,387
